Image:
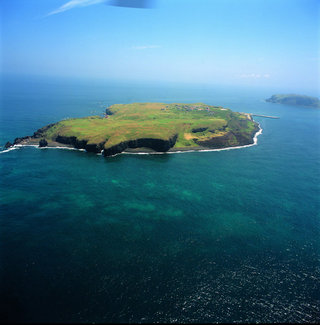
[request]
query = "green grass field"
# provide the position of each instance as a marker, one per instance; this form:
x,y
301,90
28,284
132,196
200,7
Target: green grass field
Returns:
x,y
190,122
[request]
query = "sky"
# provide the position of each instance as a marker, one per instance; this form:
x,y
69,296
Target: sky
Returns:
x,y
247,42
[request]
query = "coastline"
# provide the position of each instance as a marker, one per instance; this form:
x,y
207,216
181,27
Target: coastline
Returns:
x,y
195,149
147,151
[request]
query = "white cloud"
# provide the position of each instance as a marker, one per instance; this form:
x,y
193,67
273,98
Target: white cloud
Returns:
x,y
144,47
254,75
74,4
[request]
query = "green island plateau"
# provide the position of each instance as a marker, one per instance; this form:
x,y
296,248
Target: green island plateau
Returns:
x,y
149,127
293,99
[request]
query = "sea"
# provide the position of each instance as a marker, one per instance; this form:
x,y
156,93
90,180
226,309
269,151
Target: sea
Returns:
x,y
199,237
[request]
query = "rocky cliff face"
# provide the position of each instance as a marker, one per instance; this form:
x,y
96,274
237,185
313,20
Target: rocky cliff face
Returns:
x,y
154,144
80,144
230,139
158,145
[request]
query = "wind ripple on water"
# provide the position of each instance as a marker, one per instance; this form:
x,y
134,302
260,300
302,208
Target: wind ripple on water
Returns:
x,y
266,293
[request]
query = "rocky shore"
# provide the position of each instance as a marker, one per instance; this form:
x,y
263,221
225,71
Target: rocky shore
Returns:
x,y
153,145
143,145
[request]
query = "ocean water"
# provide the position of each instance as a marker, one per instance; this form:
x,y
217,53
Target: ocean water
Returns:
x,y
224,236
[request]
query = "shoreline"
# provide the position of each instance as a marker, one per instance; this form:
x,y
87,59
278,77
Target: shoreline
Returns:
x,y
202,149
56,145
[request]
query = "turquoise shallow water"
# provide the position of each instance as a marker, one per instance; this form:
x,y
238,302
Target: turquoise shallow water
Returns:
x,y
228,236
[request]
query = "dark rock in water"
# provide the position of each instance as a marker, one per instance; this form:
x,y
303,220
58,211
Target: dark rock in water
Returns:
x,y
43,143
8,145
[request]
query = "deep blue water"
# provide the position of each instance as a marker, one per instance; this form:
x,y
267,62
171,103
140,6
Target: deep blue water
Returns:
x,y
228,236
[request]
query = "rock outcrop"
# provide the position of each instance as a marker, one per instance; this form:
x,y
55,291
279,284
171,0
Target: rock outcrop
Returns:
x,y
19,140
108,112
43,143
8,145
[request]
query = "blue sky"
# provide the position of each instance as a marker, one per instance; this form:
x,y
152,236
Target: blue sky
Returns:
x,y
247,42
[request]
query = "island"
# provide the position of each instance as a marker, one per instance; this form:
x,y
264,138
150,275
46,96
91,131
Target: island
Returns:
x,y
149,127
293,99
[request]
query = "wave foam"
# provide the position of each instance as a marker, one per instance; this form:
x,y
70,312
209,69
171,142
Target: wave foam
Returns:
x,y
9,149
18,146
63,148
